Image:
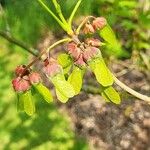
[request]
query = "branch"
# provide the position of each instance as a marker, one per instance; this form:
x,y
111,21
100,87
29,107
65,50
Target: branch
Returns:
x,y
47,50
29,49
52,14
82,23
73,12
59,11
131,91
17,42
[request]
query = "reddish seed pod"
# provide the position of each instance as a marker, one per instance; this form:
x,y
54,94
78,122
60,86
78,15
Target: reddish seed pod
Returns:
x,y
93,42
52,68
71,46
73,50
20,84
19,70
46,62
99,23
90,53
86,55
88,29
34,78
80,61
75,54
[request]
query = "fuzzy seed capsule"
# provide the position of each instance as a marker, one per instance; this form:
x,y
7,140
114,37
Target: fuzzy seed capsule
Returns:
x,y
99,23
90,53
80,61
93,42
71,46
34,78
19,70
52,68
21,84
73,50
88,29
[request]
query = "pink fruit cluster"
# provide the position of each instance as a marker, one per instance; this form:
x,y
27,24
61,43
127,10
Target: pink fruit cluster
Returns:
x,y
96,24
24,79
85,52
20,84
81,52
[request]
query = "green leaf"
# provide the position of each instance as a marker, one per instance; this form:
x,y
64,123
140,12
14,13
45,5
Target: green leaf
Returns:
x,y
29,106
105,97
66,70
113,44
61,97
109,36
63,86
128,3
20,102
102,73
44,92
112,95
64,60
75,79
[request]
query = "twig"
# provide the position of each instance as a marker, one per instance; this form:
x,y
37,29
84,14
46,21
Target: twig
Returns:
x,y
44,51
18,43
52,14
73,12
82,23
131,91
61,22
30,50
59,11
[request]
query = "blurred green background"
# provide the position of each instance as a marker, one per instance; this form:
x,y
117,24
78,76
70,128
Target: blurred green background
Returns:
x,y
28,22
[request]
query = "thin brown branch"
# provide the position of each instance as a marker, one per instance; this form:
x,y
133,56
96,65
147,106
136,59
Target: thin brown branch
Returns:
x,y
131,91
13,40
45,51
82,23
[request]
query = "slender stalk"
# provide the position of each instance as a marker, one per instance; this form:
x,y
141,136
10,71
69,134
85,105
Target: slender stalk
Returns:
x,y
44,51
63,24
13,40
58,42
59,11
52,14
131,91
73,12
82,23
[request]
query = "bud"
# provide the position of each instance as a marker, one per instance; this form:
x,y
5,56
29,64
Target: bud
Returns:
x,y
52,68
19,70
88,28
46,62
99,23
21,84
34,78
80,61
71,46
73,50
75,54
90,53
93,42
